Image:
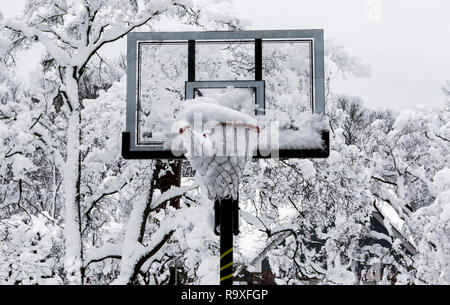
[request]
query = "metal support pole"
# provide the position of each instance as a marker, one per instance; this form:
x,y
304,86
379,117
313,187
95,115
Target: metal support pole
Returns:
x,y
226,241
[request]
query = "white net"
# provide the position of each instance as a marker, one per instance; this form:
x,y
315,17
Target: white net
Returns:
x,y
221,155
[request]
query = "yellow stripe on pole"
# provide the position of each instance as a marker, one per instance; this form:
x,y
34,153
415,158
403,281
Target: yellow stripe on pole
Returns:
x,y
226,277
226,252
226,266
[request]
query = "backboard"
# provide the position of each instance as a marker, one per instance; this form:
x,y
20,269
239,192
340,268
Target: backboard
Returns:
x,y
276,76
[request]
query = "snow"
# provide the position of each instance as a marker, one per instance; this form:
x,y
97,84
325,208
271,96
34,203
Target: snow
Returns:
x,y
132,250
441,181
207,270
215,147
102,252
21,166
204,113
130,246
307,168
391,215
440,209
432,261
172,193
27,250
72,227
212,112
444,200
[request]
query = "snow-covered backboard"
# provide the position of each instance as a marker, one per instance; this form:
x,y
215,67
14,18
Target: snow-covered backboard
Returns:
x,y
276,76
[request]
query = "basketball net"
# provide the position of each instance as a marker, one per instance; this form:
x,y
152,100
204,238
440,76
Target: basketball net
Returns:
x,y
221,155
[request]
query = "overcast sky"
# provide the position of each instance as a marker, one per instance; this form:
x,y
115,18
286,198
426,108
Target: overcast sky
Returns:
x,y
406,42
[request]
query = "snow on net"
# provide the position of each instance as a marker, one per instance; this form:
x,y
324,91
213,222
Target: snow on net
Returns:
x,y
219,142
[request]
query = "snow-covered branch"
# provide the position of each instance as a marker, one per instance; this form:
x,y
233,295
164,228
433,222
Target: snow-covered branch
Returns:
x,y
38,35
102,253
173,193
103,36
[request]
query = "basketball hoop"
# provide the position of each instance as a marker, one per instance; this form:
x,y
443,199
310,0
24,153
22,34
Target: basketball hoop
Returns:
x,y
220,157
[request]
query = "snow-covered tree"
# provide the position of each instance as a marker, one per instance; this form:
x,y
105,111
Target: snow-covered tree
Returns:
x,y
432,225
61,169
72,33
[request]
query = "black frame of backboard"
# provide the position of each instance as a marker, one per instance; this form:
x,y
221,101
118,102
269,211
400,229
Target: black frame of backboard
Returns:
x,y
132,150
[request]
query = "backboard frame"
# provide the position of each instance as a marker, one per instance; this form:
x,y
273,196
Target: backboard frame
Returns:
x,y
132,150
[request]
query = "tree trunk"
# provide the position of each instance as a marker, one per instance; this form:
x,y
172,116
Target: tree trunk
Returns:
x,y
72,168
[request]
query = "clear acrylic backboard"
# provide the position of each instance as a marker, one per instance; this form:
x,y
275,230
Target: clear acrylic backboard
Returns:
x,y
276,76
